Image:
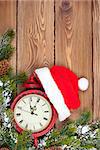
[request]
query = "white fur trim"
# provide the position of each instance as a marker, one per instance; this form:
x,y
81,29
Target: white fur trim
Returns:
x,y
53,92
83,84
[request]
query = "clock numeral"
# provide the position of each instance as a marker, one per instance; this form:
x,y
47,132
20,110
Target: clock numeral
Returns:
x,y
41,124
26,126
18,114
31,99
46,111
45,118
19,107
34,127
21,121
38,100
44,104
24,102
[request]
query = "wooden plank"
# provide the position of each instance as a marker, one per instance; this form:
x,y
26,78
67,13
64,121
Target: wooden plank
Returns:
x,y
96,58
8,20
73,43
35,34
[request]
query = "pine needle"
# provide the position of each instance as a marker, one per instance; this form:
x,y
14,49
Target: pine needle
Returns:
x,y
6,49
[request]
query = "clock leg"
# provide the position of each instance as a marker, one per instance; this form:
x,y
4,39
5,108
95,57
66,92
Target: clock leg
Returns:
x,y
35,142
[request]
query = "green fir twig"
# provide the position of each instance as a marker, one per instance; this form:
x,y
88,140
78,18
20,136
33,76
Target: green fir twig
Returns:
x,y
6,49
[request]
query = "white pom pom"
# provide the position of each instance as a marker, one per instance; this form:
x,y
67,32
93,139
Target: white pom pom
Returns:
x,y
83,84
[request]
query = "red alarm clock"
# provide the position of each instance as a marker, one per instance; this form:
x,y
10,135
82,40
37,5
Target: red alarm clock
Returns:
x,y
33,110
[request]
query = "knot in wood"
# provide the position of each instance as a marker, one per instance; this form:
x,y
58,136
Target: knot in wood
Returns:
x,y
66,5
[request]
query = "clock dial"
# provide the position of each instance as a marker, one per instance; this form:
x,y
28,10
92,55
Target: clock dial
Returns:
x,y
33,112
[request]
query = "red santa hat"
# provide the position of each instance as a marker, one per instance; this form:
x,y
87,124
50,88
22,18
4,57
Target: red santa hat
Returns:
x,y
61,86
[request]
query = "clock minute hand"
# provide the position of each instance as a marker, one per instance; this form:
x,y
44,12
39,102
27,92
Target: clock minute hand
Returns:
x,y
30,104
36,103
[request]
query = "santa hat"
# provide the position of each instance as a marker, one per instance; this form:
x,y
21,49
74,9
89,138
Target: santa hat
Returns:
x,y
61,86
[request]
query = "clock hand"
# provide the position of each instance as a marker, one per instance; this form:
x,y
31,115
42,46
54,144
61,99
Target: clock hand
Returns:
x,y
34,113
29,112
36,103
30,104
32,108
24,110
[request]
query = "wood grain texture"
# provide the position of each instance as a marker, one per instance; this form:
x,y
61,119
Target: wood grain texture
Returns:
x,y
35,34
96,58
73,40
73,43
8,20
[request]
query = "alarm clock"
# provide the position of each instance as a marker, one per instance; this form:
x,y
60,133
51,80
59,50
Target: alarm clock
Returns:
x,y
33,110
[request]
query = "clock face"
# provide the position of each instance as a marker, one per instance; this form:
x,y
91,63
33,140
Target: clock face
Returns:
x,y
33,112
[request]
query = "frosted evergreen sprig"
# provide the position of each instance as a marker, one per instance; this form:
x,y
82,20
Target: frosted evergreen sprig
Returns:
x,y
76,135
6,49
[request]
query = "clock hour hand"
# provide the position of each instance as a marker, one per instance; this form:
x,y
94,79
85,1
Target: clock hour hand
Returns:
x,y
34,113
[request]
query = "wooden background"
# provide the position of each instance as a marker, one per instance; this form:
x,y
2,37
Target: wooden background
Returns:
x,y
61,32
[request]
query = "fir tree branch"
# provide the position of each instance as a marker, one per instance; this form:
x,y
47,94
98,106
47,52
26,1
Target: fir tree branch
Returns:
x,y
84,119
20,78
6,49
